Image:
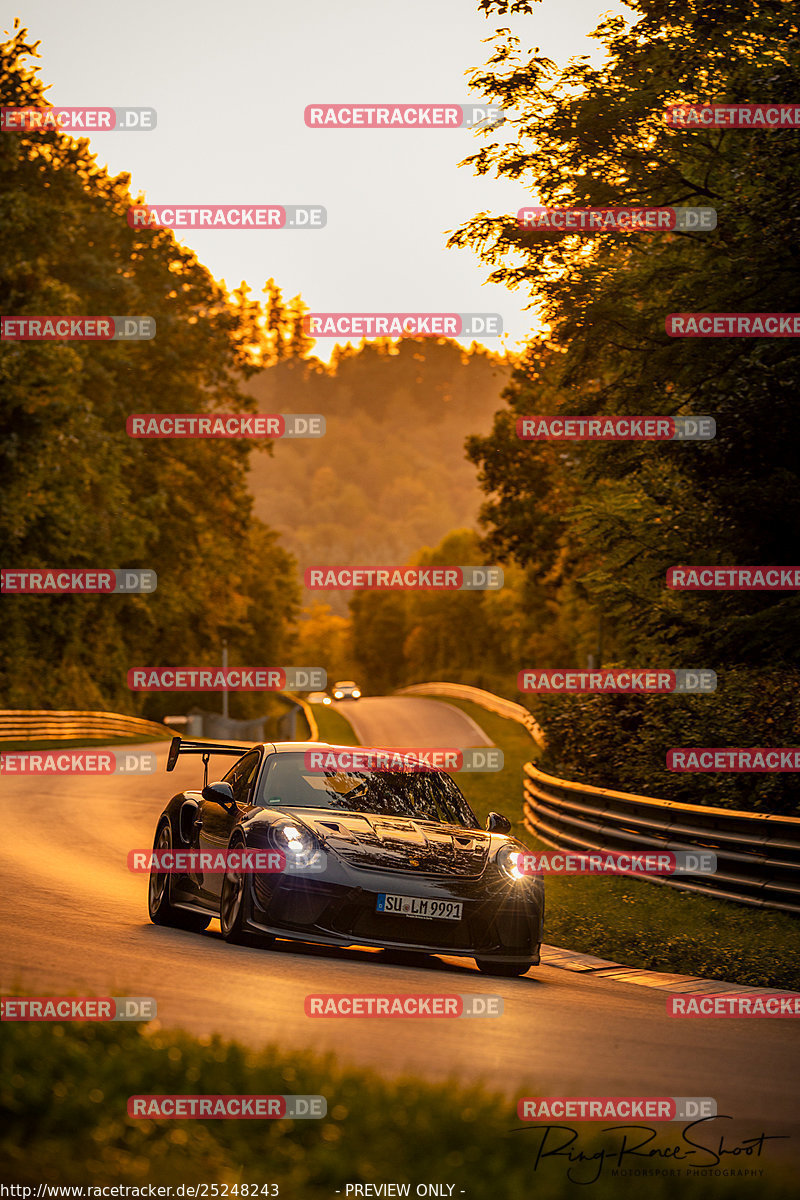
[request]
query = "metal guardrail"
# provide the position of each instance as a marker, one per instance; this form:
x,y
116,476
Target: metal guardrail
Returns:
x,y
758,855
495,704
40,725
313,728
44,725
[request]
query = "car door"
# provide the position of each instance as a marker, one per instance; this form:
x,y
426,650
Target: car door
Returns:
x,y
215,822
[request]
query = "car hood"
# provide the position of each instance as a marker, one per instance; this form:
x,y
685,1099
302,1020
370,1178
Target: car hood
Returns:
x,y
382,843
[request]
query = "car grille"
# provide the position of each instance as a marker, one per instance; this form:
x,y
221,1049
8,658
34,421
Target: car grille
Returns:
x,y
350,914
391,927
514,929
302,902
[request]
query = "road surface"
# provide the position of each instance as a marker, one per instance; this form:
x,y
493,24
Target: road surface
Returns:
x,y
407,721
75,921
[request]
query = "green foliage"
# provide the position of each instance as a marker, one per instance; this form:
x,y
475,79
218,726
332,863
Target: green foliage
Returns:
x,y
597,525
391,474
621,742
630,921
75,490
662,929
333,727
323,640
379,630
64,1092
402,637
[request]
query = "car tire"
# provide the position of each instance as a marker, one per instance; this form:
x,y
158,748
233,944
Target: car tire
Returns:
x,y
234,905
505,970
159,892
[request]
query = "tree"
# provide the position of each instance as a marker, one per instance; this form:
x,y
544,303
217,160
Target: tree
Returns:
x,y
323,640
379,628
275,321
612,518
596,136
76,490
299,343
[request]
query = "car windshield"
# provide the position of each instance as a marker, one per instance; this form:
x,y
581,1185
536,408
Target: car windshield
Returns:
x,y
427,796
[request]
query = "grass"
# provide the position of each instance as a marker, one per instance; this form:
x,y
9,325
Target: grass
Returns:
x,y
630,921
63,1103
333,727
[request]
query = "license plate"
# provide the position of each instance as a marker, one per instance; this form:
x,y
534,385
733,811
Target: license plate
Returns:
x,y
418,906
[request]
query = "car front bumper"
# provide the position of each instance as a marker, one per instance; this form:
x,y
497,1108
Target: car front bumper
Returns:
x,y
501,920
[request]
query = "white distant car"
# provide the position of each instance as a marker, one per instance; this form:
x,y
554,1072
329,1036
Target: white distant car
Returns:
x,y
318,698
346,689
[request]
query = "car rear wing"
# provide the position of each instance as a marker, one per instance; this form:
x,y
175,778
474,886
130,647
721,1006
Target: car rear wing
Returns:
x,y
179,746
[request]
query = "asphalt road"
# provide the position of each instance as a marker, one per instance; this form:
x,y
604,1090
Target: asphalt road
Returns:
x,y
75,921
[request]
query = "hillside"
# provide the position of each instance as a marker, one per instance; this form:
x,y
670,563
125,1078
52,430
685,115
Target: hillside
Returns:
x,y
391,475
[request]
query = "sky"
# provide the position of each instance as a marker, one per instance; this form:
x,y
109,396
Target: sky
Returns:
x,y
230,82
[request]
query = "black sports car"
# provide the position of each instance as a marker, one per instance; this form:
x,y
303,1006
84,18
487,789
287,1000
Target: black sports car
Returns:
x,y
394,859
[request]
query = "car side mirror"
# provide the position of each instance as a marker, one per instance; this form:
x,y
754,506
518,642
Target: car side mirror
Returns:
x,y
497,823
219,793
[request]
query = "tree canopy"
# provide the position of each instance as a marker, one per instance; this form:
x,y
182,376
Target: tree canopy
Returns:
x,y
601,523
76,490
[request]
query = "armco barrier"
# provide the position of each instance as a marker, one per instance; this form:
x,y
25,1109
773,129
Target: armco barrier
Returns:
x,y
495,704
45,725
758,856
311,720
40,725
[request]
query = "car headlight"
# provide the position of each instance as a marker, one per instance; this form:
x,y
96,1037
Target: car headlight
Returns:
x,y
302,850
507,859
356,693
338,695
327,700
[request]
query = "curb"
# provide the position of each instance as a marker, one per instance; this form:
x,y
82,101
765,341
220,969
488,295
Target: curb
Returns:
x,y
604,968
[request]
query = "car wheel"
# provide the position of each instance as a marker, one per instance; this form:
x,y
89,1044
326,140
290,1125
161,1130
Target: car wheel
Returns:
x,y
234,905
159,893
506,970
